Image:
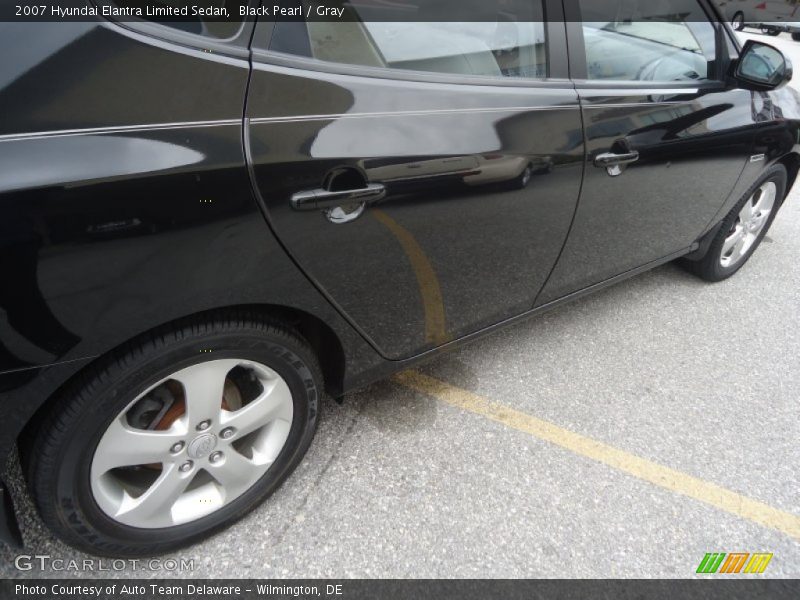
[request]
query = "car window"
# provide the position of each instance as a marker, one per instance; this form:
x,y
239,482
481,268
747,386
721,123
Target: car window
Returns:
x,y
210,20
648,40
500,38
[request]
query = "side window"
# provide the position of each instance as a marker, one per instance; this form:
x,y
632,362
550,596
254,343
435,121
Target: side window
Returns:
x,y
661,41
211,20
499,38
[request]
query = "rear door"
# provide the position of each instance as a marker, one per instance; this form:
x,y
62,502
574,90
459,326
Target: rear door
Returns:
x,y
667,138
423,172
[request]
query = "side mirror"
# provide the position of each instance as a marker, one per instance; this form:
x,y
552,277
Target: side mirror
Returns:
x,y
762,67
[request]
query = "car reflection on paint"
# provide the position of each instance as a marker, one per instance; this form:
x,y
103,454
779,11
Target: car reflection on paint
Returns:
x,y
473,170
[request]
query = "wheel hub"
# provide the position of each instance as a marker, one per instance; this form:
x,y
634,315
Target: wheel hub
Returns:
x,y
202,445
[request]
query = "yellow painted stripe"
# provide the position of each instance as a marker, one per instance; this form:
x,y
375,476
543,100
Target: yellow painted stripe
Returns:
x,y
749,567
427,281
641,468
765,562
758,564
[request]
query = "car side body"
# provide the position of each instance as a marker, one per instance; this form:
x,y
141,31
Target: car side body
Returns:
x,y
757,12
133,197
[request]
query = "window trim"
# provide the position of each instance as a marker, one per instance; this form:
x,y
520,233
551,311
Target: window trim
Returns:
x,y
555,45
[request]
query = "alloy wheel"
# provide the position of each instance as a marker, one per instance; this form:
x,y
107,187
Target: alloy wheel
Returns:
x,y
192,443
749,224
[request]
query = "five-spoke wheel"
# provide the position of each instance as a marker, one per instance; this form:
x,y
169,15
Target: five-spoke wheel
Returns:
x,y
192,443
176,434
750,223
730,245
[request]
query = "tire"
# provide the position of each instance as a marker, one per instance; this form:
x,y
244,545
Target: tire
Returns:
x,y
721,261
771,31
738,21
796,36
68,468
521,181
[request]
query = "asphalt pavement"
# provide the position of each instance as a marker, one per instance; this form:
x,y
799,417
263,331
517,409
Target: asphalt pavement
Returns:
x,y
624,435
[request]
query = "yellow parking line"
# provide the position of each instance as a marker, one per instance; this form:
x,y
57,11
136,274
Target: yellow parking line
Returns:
x,y
428,282
644,469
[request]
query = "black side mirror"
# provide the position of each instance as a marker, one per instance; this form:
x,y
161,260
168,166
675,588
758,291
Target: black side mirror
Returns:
x,y
762,67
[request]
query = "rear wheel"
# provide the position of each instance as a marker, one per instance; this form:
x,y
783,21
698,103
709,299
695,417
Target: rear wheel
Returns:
x,y
176,436
766,30
738,21
523,179
743,229
796,36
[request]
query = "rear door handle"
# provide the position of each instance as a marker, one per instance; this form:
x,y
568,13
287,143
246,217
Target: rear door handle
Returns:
x,y
614,162
323,199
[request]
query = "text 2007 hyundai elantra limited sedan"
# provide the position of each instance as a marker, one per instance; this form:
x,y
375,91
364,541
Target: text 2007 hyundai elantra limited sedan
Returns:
x,y
205,225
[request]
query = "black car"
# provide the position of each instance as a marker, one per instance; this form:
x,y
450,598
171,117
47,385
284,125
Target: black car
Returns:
x,y
207,225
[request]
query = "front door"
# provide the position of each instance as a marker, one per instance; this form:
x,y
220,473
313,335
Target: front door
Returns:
x,y
666,138
423,173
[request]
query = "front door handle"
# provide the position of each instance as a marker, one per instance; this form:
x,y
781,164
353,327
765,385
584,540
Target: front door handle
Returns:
x,y
613,162
325,199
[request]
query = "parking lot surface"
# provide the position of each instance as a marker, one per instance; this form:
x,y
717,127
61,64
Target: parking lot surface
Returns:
x,y
624,435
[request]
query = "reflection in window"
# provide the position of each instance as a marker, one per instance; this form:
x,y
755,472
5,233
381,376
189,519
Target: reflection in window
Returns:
x,y
648,40
499,38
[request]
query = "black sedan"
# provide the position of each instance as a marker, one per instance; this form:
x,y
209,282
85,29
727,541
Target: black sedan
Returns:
x,y
208,225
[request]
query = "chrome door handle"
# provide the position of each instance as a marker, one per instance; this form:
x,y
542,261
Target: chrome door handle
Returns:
x,y
325,199
614,162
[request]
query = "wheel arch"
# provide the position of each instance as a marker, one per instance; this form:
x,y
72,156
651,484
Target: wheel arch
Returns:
x,y
323,340
791,162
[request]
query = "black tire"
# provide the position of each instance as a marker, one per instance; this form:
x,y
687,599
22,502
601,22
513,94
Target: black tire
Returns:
x,y
738,21
796,36
58,467
770,31
710,266
521,181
